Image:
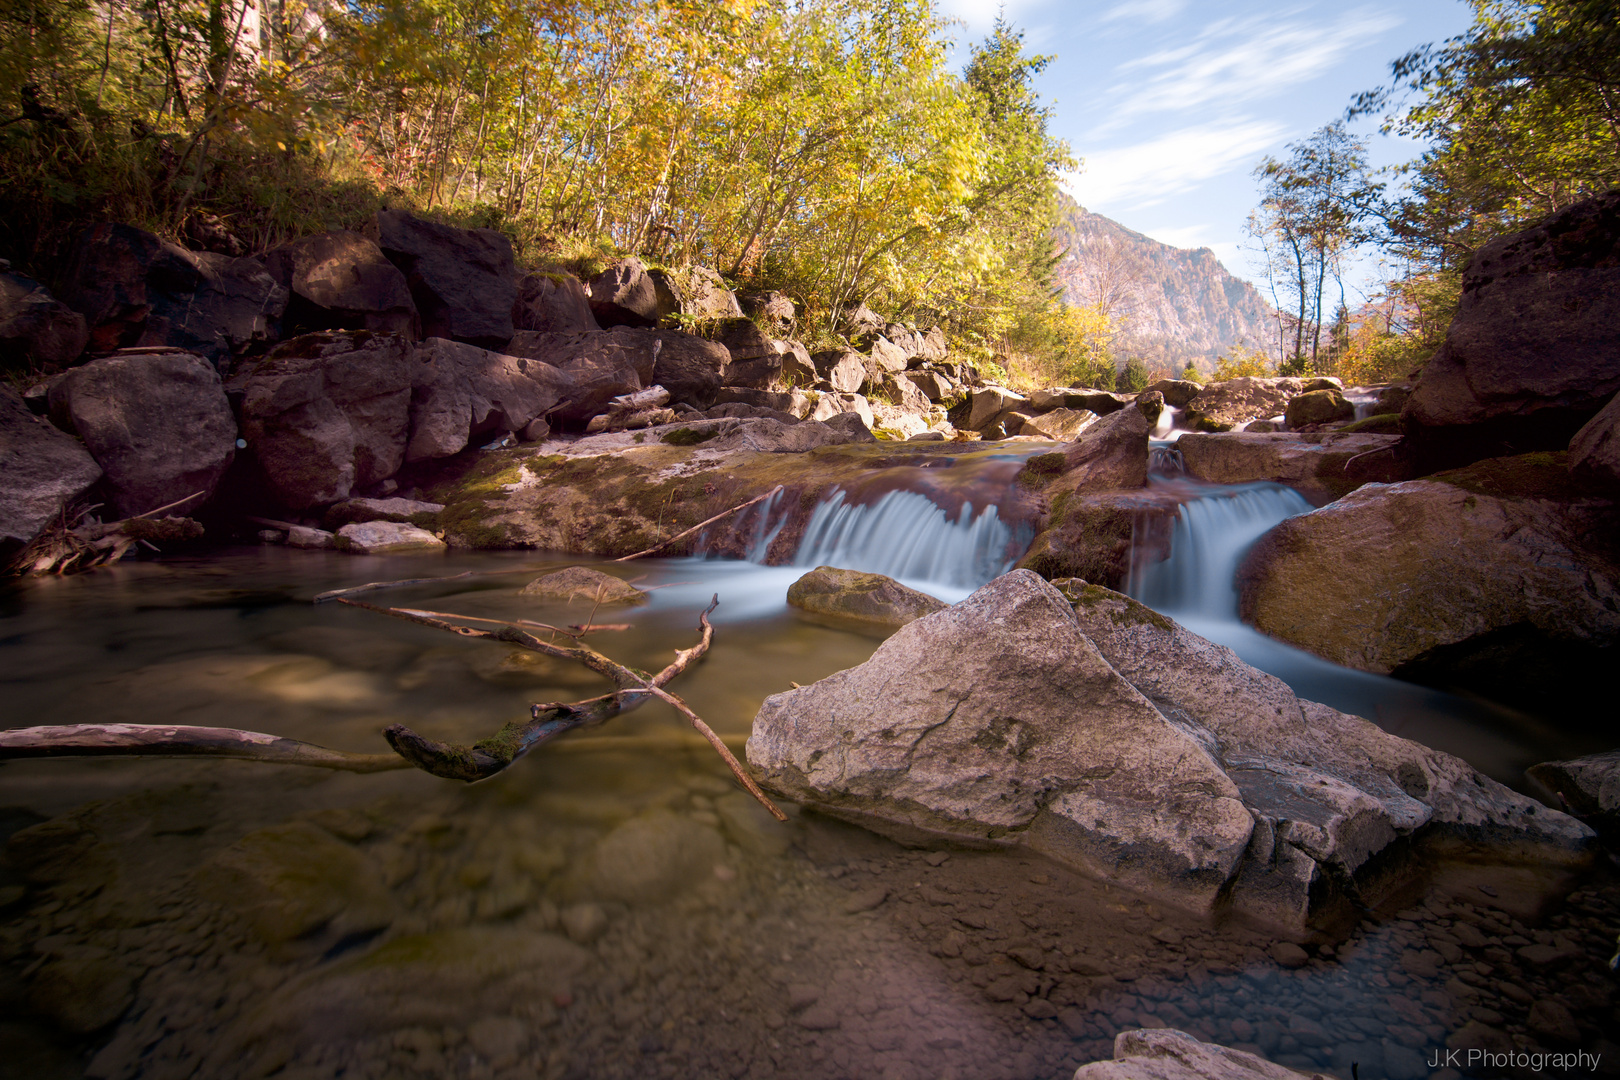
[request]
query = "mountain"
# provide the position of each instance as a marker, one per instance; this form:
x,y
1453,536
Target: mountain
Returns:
x,y
1177,305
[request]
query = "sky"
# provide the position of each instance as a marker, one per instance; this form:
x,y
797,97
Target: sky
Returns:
x,y
1172,103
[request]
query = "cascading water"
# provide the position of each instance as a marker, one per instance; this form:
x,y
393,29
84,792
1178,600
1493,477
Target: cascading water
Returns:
x,y
906,536
1196,586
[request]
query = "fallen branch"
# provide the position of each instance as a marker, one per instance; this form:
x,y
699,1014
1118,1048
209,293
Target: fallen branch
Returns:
x,y
373,586
181,740
701,524
571,630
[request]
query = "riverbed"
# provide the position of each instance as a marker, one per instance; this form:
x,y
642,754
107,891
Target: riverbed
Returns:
x,y
612,905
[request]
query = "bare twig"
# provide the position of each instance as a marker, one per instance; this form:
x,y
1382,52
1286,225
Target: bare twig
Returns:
x,y
702,524
181,740
572,630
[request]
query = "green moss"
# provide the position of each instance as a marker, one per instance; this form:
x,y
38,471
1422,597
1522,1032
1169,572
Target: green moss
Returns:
x,y
1543,475
1381,424
687,437
1122,610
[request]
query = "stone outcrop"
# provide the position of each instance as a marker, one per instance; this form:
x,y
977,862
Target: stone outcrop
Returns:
x,y
350,511
1100,733
1595,449
697,293
1101,402
341,281
755,359
831,405
1102,536
584,583
1168,1054
136,289
462,280
600,367
1534,349
157,422
41,472
624,295
1177,392
1322,466
858,597
552,302
843,370
774,309
1060,425
1473,577
326,414
36,329
1588,786
461,393
1225,405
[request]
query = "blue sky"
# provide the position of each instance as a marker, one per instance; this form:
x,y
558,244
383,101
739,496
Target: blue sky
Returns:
x,y
1172,103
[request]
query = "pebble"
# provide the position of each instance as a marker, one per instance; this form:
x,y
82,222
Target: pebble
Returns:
x,y
1289,955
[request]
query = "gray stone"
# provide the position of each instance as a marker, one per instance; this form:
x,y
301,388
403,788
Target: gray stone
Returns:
x,y
935,387
775,310
1589,787
599,367
553,302
696,292
1595,449
889,356
1001,724
830,405
42,471
584,923
1177,392
1225,405
36,329
1060,425
463,281
386,538
1318,407
83,990
461,394
1167,1054
624,295
844,371
327,413
341,281
860,597
689,367
583,583
651,858
302,536
157,422
987,407
392,509
1321,465
798,371
751,827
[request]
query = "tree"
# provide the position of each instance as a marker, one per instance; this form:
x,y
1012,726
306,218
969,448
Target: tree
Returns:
x,y
1522,118
1133,377
1192,374
1311,209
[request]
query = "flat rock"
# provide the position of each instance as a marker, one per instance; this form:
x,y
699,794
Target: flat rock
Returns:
x,y
386,538
584,583
1321,465
393,509
42,471
157,422
1059,425
857,596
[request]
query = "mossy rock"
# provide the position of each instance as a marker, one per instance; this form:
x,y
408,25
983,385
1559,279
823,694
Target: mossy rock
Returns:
x,y
583,583
1542,475
1379,424
871,599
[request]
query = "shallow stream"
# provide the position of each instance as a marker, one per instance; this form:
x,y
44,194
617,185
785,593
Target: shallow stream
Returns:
x,y
611,906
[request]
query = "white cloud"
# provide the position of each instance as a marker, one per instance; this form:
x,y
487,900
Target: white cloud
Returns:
x,y
1131,177
1231,61
980,15
1188,236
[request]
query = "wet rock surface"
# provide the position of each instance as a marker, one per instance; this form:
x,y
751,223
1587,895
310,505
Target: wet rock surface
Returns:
x,y
1322,466
584,583
860,597
1448,578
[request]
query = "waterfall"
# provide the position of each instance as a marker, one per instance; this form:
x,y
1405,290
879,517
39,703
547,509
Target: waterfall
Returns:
x,y
906,536
1210,537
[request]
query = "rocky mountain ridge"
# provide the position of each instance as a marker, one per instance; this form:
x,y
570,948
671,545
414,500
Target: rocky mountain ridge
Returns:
x,y
1180,305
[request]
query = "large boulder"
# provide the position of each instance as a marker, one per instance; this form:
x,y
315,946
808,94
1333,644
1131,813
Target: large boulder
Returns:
x,y
601,366
984,409
1322,466
463,280
326,414
157,422
1534,349
1111,453
1225,405
42,471
829,406
995,722
1101,402
36,329
460,393
843,369
695,292
689,367
136,289
623,295
1177,392
755,359
1501,578
340,280
1588,786
583,583
858,597
1595,449
1060,425
887,355
775,311
1105,536
552,302
1087,727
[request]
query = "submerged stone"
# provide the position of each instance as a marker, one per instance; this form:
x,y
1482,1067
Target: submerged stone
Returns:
x,y
860,597
583,583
